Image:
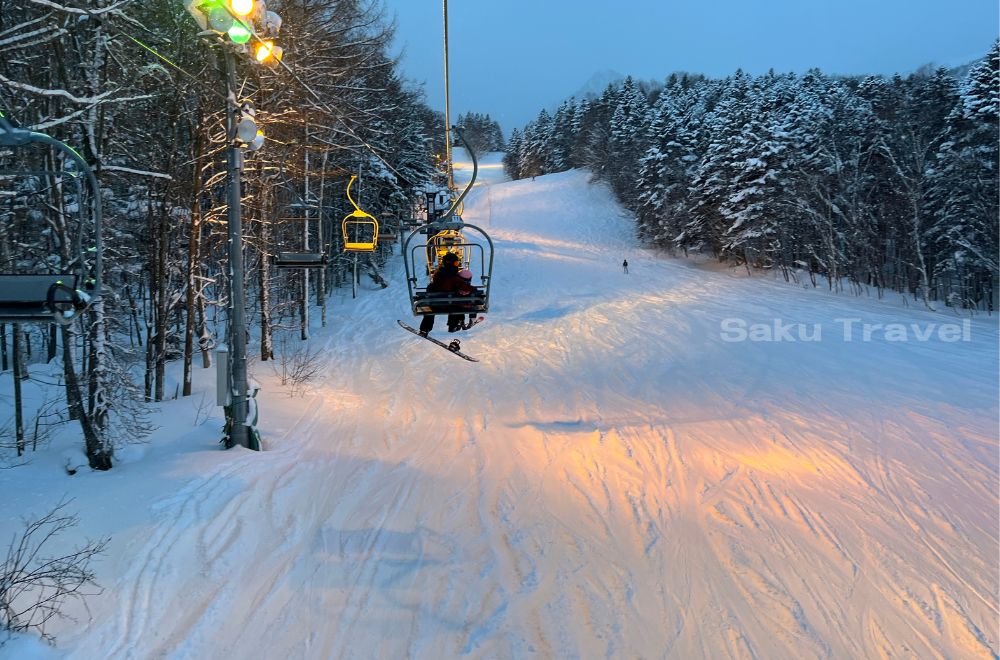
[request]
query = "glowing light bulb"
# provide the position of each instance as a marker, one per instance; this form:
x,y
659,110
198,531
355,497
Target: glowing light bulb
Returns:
x,y
239,33
265,50
241,7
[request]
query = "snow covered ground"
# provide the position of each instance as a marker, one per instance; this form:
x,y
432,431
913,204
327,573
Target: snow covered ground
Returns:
x,y
618,477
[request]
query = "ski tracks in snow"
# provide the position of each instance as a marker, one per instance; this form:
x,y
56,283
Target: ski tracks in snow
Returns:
x,y
611,480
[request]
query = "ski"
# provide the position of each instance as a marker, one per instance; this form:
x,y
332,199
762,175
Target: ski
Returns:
x,y
453,348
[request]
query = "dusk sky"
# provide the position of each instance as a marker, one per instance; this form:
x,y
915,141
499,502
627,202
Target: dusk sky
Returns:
x,y
510,58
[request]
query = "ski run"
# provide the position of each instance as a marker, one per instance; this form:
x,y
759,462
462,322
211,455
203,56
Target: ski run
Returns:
x,y
679,462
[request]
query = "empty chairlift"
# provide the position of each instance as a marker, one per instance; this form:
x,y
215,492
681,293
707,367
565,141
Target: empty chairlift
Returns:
x,y
50,297
360,229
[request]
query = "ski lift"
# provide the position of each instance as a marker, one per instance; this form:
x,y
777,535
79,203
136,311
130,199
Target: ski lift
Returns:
x,y
449,234
443,242
438,202
55,297
388,229
360,229
300,260
303,259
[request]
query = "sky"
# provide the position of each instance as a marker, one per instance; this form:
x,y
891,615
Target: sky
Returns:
x,y
511,58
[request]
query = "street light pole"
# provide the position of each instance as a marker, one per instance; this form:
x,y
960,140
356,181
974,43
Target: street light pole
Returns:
x,y
237,331
236,22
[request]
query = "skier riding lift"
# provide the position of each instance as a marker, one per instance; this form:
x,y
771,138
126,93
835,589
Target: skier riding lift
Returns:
x,y
449,279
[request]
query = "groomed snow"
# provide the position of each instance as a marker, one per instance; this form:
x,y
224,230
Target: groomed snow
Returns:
x,y
613,479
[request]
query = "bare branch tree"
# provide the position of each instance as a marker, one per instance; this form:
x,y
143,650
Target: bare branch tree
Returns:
x,y
35,587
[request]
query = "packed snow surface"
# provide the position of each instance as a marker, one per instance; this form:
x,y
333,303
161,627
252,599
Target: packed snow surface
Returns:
x,y
618,477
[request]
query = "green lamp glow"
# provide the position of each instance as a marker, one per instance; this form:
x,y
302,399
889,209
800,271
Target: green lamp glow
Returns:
x,y
239,33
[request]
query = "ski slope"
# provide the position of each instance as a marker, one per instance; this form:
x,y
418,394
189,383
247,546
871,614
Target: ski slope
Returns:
x,y
613,479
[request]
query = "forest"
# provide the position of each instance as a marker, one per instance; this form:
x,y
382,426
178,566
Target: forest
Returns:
x,y
135,89
885,183
888,183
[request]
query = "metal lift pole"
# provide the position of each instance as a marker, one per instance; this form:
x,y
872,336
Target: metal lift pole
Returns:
x,y
238,408
447,106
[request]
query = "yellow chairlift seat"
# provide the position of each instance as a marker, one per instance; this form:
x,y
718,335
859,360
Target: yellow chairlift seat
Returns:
x,y
443,242
360,229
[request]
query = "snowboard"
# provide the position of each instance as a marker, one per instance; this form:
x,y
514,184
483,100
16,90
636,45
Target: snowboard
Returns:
x,y
454,343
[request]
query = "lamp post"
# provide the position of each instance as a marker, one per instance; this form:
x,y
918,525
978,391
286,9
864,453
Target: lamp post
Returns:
x,y
237,20
237,330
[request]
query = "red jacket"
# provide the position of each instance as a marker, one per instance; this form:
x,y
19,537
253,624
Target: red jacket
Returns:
x,y
446,280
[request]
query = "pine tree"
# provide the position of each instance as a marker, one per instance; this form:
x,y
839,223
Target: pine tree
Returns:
x,y
666,169
717,167
512,159
563,132
536,147
627,141
964,190
752,206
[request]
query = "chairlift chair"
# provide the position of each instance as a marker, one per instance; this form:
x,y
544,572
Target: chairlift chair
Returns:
x,y
447,234
55,297
360,229
475,255
443,242
300,260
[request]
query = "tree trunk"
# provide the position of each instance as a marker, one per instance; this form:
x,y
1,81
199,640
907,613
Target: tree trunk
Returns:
x,y
51,347
266,340
162,314
321,242
193,270
73,400
19,368
4,365
918,250
204,336
264,292
304,309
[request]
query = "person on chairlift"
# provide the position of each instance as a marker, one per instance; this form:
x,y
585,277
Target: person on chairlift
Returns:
x,y
444,280
457,322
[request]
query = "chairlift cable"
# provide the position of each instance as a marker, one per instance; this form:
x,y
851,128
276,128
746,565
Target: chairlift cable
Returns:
x,y
282,64
209,89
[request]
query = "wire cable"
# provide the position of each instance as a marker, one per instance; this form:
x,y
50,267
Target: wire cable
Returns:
x,y
316,97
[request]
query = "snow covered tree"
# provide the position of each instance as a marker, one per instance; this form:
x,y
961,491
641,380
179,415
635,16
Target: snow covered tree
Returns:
x,y
964,190
590,149
512,159
481,132
717,167
890,183
753,207
627,140
536,142
563,132
666,169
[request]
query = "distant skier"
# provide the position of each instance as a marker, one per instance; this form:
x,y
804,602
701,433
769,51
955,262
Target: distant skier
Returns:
x,y
625,266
